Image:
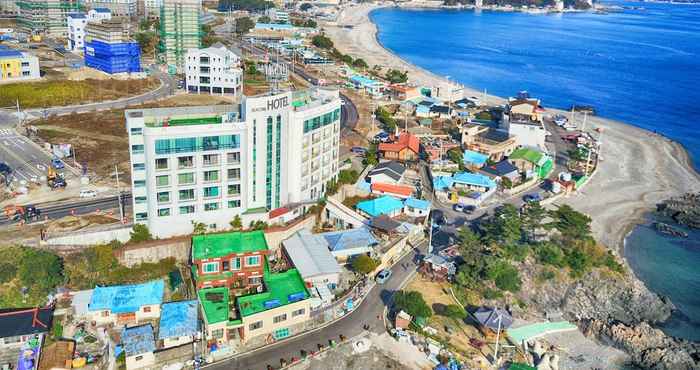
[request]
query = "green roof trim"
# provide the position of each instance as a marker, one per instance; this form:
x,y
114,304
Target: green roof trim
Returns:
x,y
251,211
220,245
527,154
214,302
280,287
195,121
519,366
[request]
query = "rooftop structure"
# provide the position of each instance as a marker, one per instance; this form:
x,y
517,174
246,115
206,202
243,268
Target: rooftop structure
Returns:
x,y
220,245
118,8
405,148
349,239
215,304
475,179
475,158
15,322
487,140
385,205
178,319
417,203
281,289
391,171
400,191
213,70
18,65
138,340
127,298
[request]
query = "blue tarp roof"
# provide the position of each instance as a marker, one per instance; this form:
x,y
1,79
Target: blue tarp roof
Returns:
x,y
442,182
380,206
138,340
178,319
77,15
126,298
10,54
102,10
417,203
422,109
362,80
349,239
473,179
477,158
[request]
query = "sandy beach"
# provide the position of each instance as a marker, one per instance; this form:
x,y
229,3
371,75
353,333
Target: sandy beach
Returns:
x,y
639,168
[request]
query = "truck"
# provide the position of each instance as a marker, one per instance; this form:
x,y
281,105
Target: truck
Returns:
x,y
55,180
22,213
57,163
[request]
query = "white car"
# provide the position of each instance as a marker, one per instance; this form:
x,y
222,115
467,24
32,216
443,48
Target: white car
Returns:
x,y
88,193
474,100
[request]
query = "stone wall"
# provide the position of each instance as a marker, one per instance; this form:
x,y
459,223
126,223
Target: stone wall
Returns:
x,y
156,250
274,235
102,235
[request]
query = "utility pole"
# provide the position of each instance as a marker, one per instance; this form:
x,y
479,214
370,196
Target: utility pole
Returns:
x,y
119,195
498,338
430,237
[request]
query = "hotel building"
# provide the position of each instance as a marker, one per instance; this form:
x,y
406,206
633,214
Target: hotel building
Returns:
x,y
209,164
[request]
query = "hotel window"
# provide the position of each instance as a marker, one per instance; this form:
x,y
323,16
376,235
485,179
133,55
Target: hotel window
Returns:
x,y
137,149
211,206
256,325
139,200
210,267
187,194
137,131
279,318
210,176
184,210
162,180
298,312
234,173
211,192
233,158
210,159
139,183
185,178
164,197
143,216
185,162
234,189
161,163
252,261
236,263
139,166
234,203
163,212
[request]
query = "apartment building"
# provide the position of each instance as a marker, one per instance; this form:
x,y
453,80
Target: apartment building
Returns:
x,y
210,164
17,65
76,32
99,14
118,8
179,30
151,8
46,17
214,70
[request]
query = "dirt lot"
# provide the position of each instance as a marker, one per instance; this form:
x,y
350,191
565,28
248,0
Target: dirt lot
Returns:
x,y
100,138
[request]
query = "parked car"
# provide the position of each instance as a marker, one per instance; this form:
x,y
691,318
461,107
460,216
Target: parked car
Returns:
x,y
474,100
358,150
560,120
88,193
458,208
57,164
469,209
535,197
381,137
383,276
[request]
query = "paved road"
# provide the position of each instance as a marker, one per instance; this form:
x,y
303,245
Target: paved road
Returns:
x,y
350,326
55,210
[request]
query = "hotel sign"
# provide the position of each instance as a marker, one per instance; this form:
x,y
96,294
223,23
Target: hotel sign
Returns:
x,y
273,104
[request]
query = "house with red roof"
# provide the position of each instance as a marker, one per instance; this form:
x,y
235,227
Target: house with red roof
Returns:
x,y
399,191
405,148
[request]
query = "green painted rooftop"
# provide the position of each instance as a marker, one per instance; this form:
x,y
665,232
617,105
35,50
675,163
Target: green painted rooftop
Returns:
x,y
220,245
529,155
187,121
214,302
279,288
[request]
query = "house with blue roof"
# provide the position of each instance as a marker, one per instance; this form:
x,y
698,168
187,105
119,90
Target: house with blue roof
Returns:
x,y
346,244
372,87
126,304
474,159
416,207
138,344
473,181
179,323
385,205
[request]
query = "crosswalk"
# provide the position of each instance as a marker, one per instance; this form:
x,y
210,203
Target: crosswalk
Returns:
x,y
7,132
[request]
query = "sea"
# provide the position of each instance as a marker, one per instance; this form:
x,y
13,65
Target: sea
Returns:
x,y
638,63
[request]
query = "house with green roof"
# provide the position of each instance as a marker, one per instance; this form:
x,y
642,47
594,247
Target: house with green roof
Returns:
x,y
532,162
235,260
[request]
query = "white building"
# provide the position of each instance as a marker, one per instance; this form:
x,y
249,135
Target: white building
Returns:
x,y
118,8
76,32
18,65
214,70
277,16
244,159
152,8
99,14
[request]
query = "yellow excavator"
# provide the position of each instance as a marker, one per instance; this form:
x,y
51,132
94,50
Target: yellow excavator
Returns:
x,y
55,180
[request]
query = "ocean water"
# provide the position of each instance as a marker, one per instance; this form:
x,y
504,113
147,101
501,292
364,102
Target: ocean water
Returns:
x,y
639,66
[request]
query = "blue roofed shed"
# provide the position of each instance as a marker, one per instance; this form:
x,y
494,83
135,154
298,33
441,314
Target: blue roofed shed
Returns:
x,y
475,158
177,320
347,243
442,183
385,205
102,10
139,345
416,207
473,180
126,298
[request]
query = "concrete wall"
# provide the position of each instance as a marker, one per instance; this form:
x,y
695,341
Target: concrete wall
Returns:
x,y
106,317
141,361
276,234
156,250
92,237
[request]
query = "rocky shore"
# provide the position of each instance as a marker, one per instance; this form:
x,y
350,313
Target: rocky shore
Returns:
x,y
685,209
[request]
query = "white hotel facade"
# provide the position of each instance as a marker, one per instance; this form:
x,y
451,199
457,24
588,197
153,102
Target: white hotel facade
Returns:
x,y
208,164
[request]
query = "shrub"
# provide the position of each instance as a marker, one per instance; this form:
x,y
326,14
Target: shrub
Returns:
x,y
550,254
505,276
412,303
322,41
453,311
140,233
364,264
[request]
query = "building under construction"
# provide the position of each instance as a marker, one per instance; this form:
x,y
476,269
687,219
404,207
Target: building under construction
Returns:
x,y
46,17
109,47
179,30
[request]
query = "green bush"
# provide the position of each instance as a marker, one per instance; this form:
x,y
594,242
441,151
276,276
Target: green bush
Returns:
x,y
578,261
505,276
550,254
455,312
8,272
140,233
492,294
412,303
364,264
322,41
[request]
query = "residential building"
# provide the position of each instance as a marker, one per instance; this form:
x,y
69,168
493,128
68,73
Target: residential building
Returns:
x,y
310,255
235,260
384,205
403,92
489,141
179,323
99,14
416,207
214,70
57,356
109,47
232,164
139,344
76,32
278,16
46,17
126,304
502,169
17,65
151,8
9,6
179,30
346,244
529,134
532,162
398,191
388,172
405,148
441,111
23,328
464,188
118,8
474,159
372,87
473,181
523,120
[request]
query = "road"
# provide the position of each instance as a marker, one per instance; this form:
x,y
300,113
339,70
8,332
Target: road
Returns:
x,y
55,210
369,312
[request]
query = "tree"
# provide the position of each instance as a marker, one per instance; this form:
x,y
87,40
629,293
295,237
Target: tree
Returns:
x,y
305,6
573,225
532,217
321,41
347,59
41,271
506,182
310,23
578,261
550,254
243,25
8,272
386,119
395,76
140,233
505,276
359,63
264,19
371,156
412,303
145,39
364,264
348,176
199,228
258,225
456,156
504,226
236,223
469,243
454,312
